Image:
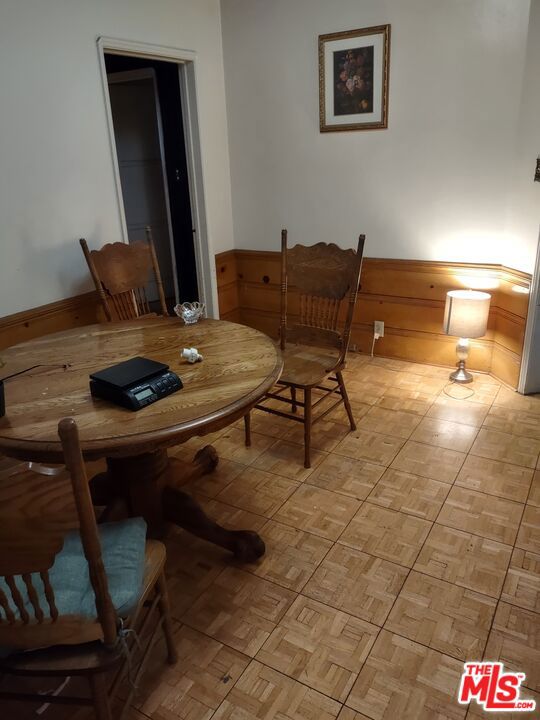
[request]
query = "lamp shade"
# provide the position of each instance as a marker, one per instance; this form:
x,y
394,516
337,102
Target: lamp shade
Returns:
x,y
466,313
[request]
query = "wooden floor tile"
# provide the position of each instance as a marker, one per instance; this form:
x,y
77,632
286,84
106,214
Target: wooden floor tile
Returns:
x,y
409,493
408,400
467,560
231,445
267,424
445,434
363,391
387,534
258,491
442,616
318,511
319,646
265,694
325,434
371,446
404,680
515,641
493,477
287,459
522,585
291,555
348,714
376,373
205,673
355,478
516,422
397,423
425,383
534,494
339,414
232,518
484,390
429,370
459,411
429,461
360,584
506,448
529,532
514,401
481,514
192,566
239,610
213,483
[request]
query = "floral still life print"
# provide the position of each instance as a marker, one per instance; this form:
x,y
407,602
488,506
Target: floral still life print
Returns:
x,y
353,79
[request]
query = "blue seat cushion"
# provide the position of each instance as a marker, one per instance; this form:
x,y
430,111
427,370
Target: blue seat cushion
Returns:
x,y
123,554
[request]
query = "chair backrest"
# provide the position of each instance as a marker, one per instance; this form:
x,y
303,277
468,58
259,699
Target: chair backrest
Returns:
x,y
121,273
36,513
326,278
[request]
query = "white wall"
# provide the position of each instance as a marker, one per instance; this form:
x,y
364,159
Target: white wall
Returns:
x,y
56,172
524,210
434,185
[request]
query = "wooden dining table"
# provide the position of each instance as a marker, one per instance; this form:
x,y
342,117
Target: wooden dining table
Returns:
x,y
239,366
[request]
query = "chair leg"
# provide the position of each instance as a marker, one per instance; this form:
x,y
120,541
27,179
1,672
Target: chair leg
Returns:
x,y
165,612
247,429
346,400
307,427
98,686
294,406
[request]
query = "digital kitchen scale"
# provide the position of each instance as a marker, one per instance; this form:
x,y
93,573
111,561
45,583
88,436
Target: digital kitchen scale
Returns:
x,y
135,383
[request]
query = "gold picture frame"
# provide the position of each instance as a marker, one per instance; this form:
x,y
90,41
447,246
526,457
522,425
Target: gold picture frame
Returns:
x,y
354,71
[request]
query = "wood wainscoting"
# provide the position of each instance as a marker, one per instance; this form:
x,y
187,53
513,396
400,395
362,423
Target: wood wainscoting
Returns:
x,y
408,295
61,315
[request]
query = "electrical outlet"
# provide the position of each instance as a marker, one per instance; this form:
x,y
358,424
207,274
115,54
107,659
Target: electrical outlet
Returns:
x,y
379,328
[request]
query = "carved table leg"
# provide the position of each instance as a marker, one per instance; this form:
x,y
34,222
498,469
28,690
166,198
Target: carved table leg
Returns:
x,y
149,484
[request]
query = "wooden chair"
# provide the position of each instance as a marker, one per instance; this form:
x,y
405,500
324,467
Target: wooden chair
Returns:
x,y
313,347
55,593
121,273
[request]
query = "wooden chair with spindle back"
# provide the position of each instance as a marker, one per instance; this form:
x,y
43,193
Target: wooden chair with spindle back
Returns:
x,y
121,273
314,347
73,588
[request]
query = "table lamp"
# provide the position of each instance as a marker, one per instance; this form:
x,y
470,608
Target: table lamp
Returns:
x,y
465,316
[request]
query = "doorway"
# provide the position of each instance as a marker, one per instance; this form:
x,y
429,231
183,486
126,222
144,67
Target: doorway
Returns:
x,y
148,125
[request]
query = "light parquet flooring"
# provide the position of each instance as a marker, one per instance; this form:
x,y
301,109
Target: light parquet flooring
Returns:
x,y
410,546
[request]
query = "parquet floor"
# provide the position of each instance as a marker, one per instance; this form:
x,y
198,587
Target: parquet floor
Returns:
x,y
411,545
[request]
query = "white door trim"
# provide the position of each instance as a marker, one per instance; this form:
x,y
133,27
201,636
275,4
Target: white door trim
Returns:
x,y
533,317
186,60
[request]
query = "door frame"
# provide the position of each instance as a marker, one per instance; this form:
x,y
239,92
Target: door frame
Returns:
x,y
533,318
187,72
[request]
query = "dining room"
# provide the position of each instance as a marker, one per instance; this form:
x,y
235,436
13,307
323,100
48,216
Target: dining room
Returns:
x,y
269,360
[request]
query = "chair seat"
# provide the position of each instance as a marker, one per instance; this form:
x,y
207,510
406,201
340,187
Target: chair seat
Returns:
x,y
307,365
86,657
123,553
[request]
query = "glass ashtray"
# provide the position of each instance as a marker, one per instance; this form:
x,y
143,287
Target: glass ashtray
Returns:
x,y
190,312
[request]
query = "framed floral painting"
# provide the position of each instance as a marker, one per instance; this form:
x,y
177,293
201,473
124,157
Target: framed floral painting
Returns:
x,y
353,79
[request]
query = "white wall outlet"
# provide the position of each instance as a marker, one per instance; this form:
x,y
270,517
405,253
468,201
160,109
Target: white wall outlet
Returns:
x,y
379,328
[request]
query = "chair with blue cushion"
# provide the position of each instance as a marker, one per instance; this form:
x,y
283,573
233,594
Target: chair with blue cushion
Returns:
x,y
76,598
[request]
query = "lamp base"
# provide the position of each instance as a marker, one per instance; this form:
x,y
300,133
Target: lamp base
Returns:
x,y
461,375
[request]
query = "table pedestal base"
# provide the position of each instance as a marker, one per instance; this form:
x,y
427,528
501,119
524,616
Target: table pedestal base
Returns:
x,y
149,485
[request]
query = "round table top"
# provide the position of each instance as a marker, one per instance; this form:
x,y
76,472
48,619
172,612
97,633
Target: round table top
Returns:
x,y
239,365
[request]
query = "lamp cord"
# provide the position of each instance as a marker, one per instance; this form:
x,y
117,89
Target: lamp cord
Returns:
x,y
452,382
